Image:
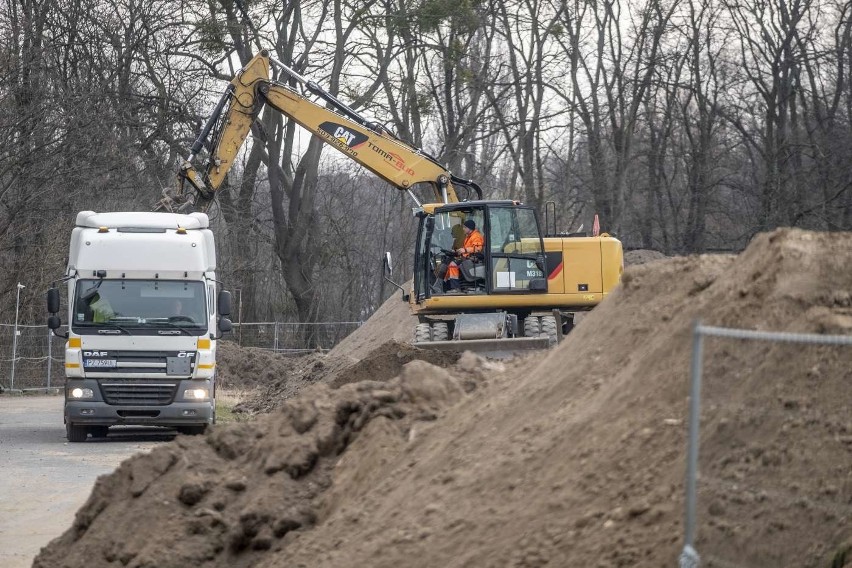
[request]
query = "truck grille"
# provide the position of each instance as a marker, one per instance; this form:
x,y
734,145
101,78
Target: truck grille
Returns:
x,y
154,393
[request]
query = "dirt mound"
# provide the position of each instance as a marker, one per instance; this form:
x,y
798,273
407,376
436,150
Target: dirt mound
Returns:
x,y
240,491
276,377
573,460
375,351
391,322
250,367
386,362
381,364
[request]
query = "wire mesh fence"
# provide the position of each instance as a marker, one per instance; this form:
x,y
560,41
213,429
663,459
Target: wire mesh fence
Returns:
x,y
292,337
32,358
783,461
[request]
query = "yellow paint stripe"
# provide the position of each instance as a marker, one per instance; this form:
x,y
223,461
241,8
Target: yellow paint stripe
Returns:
x,y
72,365
75,342
206,365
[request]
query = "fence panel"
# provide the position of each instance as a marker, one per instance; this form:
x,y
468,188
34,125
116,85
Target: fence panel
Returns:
x,y
786,462
292,337
34,359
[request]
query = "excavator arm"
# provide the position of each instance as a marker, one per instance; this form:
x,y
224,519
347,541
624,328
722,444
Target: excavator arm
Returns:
x,y
369,144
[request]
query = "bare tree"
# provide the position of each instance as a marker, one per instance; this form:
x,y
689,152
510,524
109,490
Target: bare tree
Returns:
x,y
770,61
610,75
91,118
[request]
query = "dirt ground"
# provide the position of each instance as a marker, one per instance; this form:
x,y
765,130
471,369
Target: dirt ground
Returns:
x,y
574,457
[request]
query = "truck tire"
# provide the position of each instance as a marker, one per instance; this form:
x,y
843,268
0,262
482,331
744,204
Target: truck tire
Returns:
x,y
75,433
423,332
549,329
99,431
195,430
532,327
440,331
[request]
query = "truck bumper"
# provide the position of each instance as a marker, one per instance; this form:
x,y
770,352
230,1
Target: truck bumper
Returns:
x,y
92,413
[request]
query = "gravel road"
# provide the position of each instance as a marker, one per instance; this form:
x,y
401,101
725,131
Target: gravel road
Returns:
x,y
44,479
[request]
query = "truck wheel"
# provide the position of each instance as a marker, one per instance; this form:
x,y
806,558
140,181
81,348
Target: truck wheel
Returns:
x,y
99,431
440,331
75,433
193,430
548,329
423,332
532,328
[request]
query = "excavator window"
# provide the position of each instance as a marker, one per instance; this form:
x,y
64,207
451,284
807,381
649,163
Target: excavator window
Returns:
x,y
516,248
448,232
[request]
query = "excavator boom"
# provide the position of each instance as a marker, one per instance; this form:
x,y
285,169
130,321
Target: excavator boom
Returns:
x,y
370,145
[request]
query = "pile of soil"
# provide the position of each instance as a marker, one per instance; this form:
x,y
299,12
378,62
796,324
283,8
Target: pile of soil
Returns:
x,y
249,367
376,350
391,322
575,458
380,364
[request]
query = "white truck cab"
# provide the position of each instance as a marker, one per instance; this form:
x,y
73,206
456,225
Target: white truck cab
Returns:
x,y
144,316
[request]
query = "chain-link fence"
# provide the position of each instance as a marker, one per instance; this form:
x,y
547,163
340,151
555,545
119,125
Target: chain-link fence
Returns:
x,y
782,461
290,337
33,358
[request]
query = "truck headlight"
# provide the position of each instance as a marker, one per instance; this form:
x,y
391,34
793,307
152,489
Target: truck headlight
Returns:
x,y
82,393
196,394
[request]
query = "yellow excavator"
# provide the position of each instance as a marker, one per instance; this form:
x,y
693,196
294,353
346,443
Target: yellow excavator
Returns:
x,y
520,287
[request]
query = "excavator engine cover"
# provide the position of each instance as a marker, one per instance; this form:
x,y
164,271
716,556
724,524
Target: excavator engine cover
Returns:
x,y
480,326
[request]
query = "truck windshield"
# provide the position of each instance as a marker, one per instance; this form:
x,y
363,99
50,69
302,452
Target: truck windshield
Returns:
x,y
136,304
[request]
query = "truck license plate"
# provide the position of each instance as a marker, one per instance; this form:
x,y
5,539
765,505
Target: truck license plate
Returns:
x,y
99,363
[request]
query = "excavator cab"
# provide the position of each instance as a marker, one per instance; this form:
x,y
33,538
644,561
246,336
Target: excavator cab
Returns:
x,y
511,262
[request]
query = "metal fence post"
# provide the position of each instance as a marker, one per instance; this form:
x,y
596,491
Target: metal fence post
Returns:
x,y
275,338
240,318
15,336
689,557
49,355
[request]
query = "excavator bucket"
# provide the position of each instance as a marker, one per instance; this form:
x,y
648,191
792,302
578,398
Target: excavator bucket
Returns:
x,y
489,334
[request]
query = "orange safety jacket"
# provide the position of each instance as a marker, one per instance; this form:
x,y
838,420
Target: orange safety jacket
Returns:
x,y
473,243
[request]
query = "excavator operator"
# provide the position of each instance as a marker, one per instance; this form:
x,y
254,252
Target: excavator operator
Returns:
x,y
473,243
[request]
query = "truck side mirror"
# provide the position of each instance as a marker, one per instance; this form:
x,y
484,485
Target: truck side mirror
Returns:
x,y
224,303
225,325
388,265
53,322
52,301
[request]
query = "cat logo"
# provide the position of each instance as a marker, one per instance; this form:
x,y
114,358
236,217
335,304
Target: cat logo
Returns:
x,y
341,136
344,135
